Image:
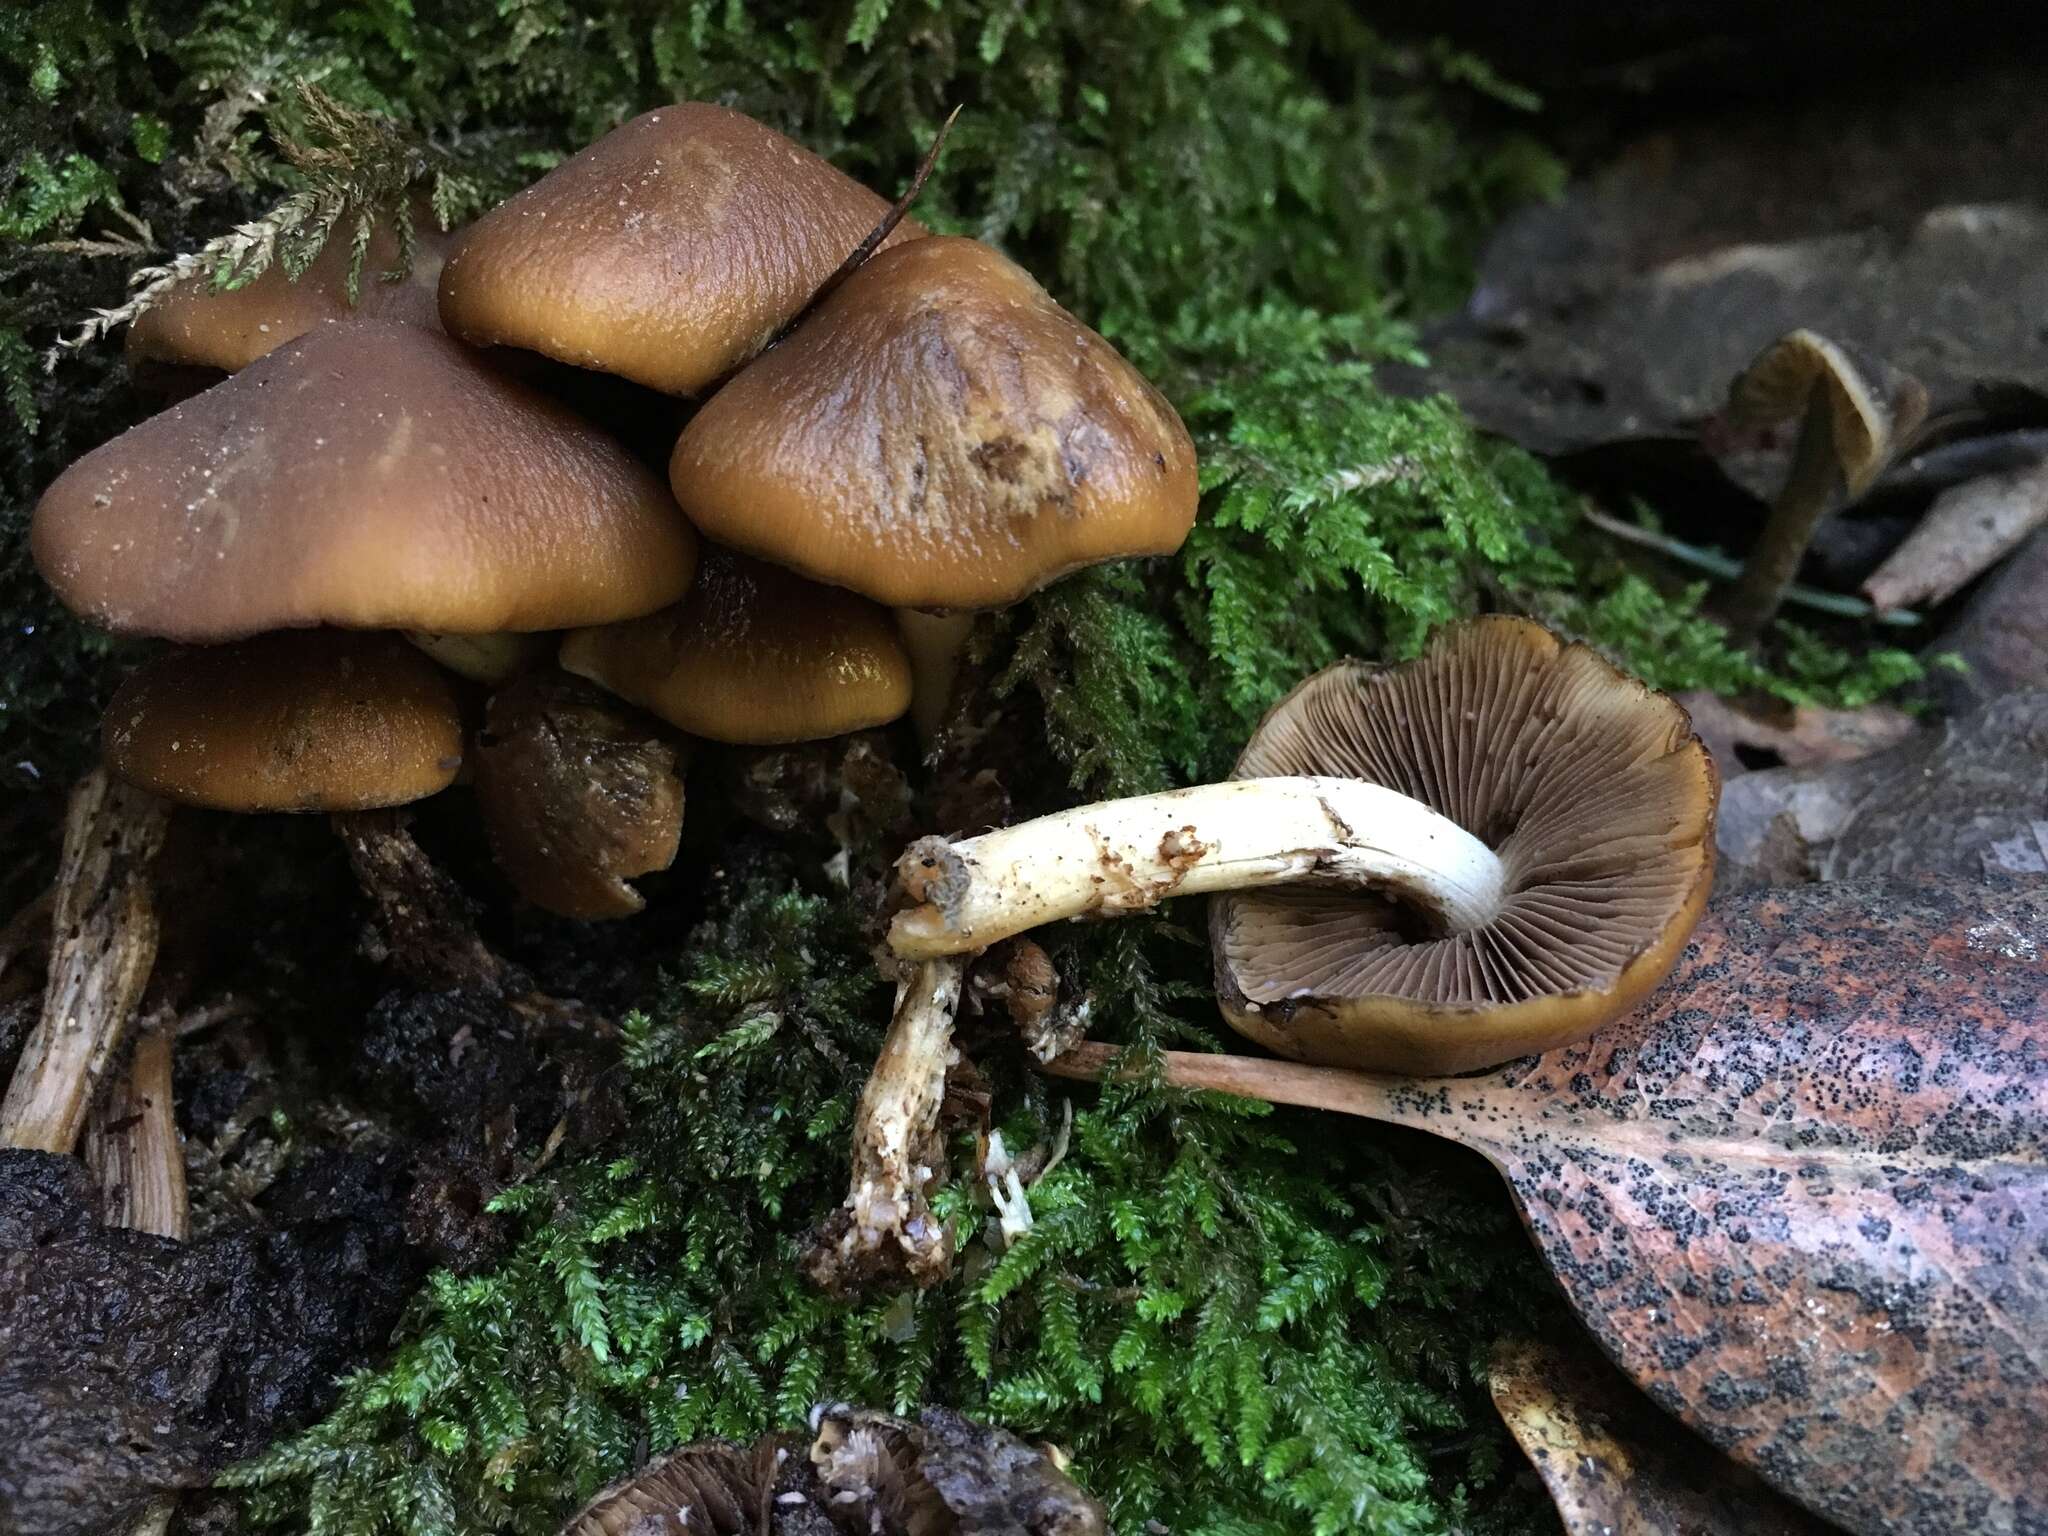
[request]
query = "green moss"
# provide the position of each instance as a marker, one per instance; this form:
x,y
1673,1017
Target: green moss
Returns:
x,y
1238,1322
1228,1334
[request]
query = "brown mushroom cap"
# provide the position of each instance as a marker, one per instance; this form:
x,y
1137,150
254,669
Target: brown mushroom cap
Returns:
x,y
370,476
1869,407
670,251
939,434
301,720
194,326
1591,788
577,797
754,655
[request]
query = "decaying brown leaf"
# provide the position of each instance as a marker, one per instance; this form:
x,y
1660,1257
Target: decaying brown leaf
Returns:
x,y
1614,1464
1800,1195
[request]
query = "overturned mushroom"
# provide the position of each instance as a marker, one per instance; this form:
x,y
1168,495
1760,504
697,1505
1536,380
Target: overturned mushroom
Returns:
x,y
942,437
754,656
1853,418
578,798
1589,790
1488,851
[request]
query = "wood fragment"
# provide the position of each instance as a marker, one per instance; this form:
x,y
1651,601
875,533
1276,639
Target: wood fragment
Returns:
x,y
104,944
132,1149
1969,529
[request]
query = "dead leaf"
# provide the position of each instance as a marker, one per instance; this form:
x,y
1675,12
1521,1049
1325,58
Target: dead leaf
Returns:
x,y
1968,797
1616,1466
1969,529
1800,1195
1886,220
1795,734
2002,636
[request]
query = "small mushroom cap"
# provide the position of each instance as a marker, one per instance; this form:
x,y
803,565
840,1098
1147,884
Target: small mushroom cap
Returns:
x,y
194,326
939,434
370,476
578,793
1590,786
755,656
301,720
670,251
1870,408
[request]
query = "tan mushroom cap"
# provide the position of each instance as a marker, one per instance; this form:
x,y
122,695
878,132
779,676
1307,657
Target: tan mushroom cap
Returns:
x,y
939,434
755,656
301,720
369,476
1591,788
670,251
1869,408
194,326
577,797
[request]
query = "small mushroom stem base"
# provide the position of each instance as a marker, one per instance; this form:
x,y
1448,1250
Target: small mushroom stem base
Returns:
x,y
935,643
1129,855
492,660
1809,486
886,1227
424,922
105,926
131,1145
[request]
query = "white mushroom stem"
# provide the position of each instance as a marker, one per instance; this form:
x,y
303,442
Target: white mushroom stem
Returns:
x,y
1128,855
104,946
131,1145
897,1150
490,659
934,642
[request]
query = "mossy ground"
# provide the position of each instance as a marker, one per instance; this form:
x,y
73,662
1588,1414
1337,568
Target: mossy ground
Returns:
x,y
1236,1322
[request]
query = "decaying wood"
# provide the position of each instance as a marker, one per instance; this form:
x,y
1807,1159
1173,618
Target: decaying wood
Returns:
x,y
886,1227
1799,1196
1969,529
105,938
131,1145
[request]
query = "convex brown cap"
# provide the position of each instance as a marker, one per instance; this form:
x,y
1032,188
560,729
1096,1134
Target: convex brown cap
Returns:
x,y
371,476
302,720
754,655
670,251
193,325
579,795
1592,789
939,434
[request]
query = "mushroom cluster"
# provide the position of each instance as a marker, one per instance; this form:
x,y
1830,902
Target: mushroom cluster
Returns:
x,y
404,541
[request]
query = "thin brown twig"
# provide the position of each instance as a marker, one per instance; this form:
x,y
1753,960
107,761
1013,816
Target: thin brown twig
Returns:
x,y
858,257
